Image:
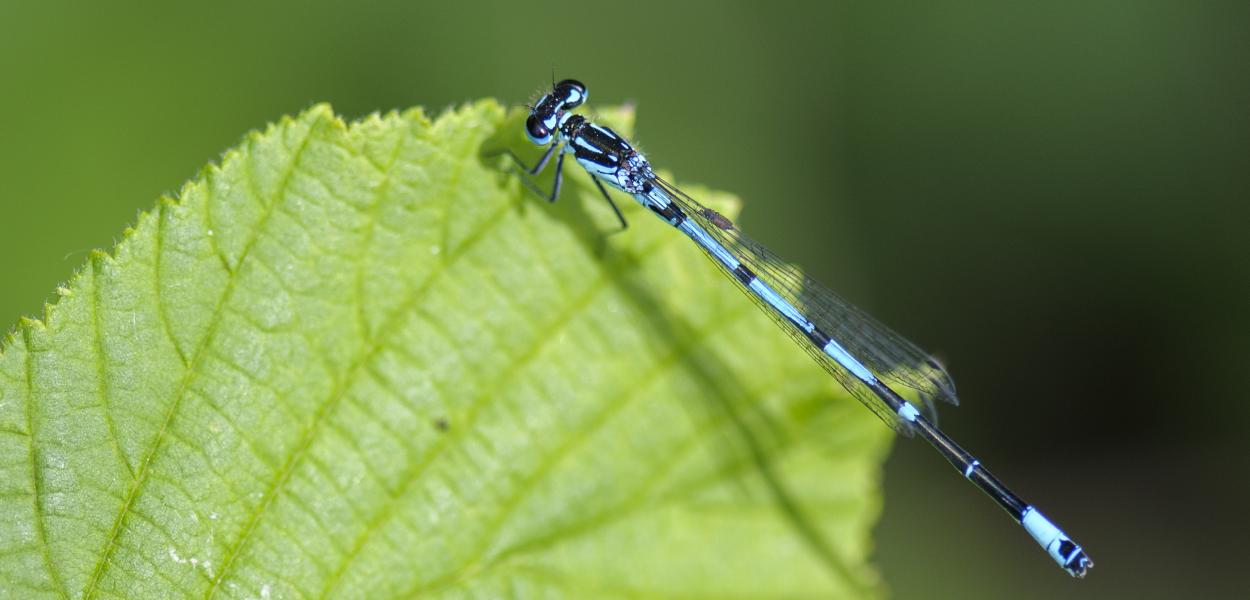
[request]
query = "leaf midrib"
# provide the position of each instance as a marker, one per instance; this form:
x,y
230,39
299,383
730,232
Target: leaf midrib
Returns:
x,y
193,369
364,356
324,408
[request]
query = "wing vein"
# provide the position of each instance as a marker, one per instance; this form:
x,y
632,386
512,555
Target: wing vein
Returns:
x,y
890,356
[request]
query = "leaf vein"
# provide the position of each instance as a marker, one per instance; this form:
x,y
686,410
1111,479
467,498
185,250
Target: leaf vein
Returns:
x,y
119,524
371,221
365,354
162,312
550,331
680,352
102,384
36,475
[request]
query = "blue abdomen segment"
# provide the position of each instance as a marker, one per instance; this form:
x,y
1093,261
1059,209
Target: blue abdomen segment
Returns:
x,y
701,237
1056,543
770,297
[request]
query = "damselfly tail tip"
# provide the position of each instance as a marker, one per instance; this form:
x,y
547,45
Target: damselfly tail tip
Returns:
x,y
1079,564
1056,543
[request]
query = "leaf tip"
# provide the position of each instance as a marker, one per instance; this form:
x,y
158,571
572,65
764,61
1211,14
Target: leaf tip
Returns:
x,y
319,111
98,257
27,324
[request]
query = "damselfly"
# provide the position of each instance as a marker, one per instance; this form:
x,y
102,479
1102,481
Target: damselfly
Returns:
x,y
864,355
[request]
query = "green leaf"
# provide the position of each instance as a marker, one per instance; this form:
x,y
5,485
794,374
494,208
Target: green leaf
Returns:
x,y
363,361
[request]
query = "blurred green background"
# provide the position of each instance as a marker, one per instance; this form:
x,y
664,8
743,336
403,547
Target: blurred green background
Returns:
x,y
1050,196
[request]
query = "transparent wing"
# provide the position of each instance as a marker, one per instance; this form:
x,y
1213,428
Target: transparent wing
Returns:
x,y
887,354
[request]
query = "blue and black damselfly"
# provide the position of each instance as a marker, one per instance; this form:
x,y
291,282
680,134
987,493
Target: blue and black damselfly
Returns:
x,y
864,355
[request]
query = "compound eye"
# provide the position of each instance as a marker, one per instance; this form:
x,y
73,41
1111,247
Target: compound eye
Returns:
x,y
573,91
537,132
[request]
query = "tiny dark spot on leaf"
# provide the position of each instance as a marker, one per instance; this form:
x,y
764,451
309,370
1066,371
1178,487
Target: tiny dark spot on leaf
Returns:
x,y
441,424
